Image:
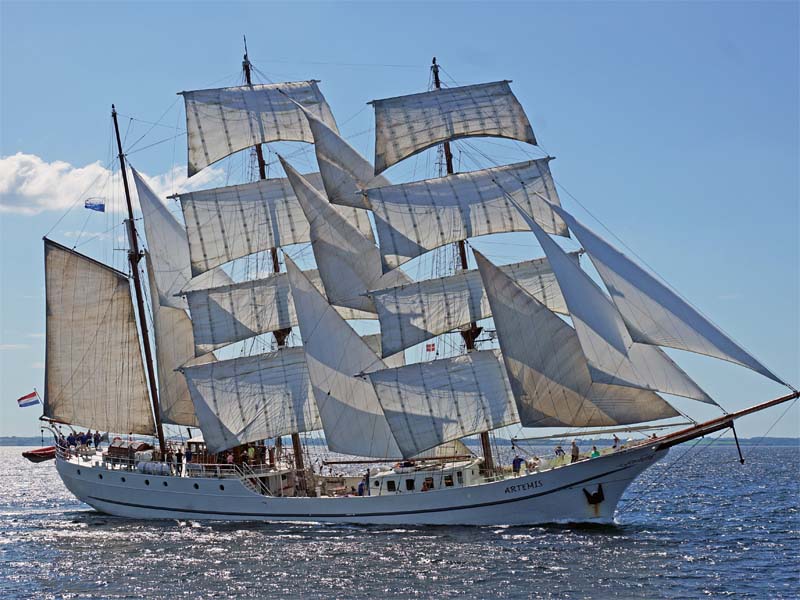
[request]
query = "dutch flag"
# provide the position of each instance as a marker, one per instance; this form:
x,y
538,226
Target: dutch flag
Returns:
x,y
28,400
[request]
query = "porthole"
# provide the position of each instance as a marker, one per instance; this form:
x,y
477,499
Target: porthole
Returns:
x,y
165,483
147,482
122,479
79,471
99,475
197,487
222,487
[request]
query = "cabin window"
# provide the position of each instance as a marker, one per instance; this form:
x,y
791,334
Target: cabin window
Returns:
x,y
410,485
391,486
460,477
428,483
448,481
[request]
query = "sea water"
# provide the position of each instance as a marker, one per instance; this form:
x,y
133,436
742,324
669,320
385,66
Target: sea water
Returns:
x,y
696,524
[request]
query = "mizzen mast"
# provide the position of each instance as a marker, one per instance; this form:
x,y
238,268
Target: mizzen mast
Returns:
x,y
470,334
134,256
280,334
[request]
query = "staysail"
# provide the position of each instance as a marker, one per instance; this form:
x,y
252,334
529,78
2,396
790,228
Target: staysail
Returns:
x,y
94,374
251,398
613,357
229,222
653,313
351,415
412,313
222,121
414,218
427,404
546,366
409,124
349,263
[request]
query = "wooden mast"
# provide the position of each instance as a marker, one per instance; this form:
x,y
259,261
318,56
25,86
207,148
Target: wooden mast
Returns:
x,y
473,331
134,256
280,334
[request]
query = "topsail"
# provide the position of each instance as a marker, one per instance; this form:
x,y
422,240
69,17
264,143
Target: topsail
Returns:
x,y
222,121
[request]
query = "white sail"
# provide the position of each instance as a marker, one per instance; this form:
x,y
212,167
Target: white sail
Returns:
x,y
351,415
409,124
167,244
546,366
349,263
222,121
653,313
375,342
415,312
613,357
430,403
229,222
250,398
413,218
345,173
225,314
94,374
172,329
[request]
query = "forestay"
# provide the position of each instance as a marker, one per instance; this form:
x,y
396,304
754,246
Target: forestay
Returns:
x,y
172,329
229,313
413,313
428,404
613,357
251,398
94,375
351,415
349,263
222,121
413,218
547,369
345,173
654,313
409,124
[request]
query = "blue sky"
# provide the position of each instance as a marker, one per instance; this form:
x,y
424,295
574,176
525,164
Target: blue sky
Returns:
x,y
674,123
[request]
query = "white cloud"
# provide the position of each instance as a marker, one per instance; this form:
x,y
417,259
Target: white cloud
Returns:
x,y
37,365
35,335
30,185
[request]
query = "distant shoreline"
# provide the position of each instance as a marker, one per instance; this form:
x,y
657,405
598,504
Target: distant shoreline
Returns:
x,y
767,441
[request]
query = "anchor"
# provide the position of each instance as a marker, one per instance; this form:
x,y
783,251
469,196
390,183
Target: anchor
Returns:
x,y
595,497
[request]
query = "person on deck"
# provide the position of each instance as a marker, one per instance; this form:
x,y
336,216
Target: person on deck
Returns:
x,y
595,452
97,440
559,451
616,443
188,455
251,455
533,464
516,464
229,458
575,451
179,461
71,441
361,487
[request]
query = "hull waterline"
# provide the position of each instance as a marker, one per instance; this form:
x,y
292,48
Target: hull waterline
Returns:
x,y
584,492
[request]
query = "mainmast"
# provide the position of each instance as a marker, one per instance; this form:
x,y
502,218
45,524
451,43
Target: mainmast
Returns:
x,y
470,335
280,334
134,256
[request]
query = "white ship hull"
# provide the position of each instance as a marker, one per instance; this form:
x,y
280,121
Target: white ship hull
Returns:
x,y
560,495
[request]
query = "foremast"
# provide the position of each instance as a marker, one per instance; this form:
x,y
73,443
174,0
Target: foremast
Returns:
x,y
471,333
134,256
280,334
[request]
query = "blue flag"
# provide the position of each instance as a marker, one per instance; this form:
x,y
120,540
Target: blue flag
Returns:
x,y
95,204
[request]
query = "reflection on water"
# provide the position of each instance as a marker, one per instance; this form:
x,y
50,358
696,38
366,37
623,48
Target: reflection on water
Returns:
x,y
707,526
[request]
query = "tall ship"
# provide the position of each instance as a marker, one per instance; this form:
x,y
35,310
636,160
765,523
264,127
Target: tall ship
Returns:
x,y
144,352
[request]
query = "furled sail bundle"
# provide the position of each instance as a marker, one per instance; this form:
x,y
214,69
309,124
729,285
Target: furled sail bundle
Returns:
x,y
547,369
414,218
229,222
415,312
428,404
352,417
409,124
174,339
225,314
251,398
222,121
94,374
345,173
349,263
653,313
613,357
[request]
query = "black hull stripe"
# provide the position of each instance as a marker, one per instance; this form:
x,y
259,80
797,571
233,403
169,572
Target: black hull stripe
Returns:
x,y
372,514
